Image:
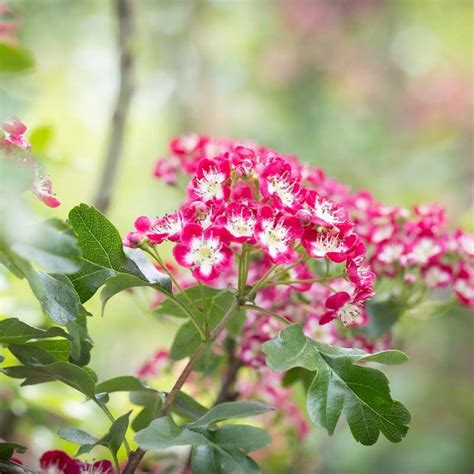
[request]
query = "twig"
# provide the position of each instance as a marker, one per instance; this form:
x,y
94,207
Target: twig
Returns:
x,y
126,19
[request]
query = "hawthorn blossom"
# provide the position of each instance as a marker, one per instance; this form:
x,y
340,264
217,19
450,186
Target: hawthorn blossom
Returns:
x,y
277,234
211,181
341,305
240,221
335,246
58,462
16,147
204,251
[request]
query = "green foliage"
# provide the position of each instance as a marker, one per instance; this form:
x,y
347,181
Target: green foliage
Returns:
x,y
339,385
215,449
38,369
112,440
212,304
124,383
230,410
7,450
14,331
57,297
106,262
49,245
151,402
14,59
382,316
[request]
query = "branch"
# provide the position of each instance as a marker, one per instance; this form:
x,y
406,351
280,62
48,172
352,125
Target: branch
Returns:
x,y
137,455
126,19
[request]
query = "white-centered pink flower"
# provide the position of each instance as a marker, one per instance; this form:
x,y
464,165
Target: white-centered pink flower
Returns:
x,y
204,251
211,181
277,235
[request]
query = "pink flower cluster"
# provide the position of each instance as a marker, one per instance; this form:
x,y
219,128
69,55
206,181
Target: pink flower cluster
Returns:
x,y
14,146
58,462
335,223
416,246
246,198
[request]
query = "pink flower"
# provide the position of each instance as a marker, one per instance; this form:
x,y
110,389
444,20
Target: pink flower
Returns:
x,y
276,182
335,246
168,227
14,130
322,212
186,144
58,462
464,285
153,366
205,252
211,181
277,234
437,275
240,221
341,305
167,170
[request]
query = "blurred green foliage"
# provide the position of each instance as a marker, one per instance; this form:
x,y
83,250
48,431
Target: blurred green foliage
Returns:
x,y
377,93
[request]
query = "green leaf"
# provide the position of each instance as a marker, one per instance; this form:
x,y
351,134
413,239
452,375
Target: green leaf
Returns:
x,y
215,302
389,357
216,460
81,341
163,433
382,316
57,298
98,238
244,437
31,375
201,296
89,279
290,348
14,331
49,245
76,377
14,59
339,385
30,355
114,438
187,407
7,450
105,261
59,349
124,383
185,342
77,436
230,410
208,456
151,403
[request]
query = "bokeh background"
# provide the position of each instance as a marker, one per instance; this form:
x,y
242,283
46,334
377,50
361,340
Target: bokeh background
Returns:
x,y
378,93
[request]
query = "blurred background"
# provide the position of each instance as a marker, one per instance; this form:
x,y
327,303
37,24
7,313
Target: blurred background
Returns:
x,y
378,93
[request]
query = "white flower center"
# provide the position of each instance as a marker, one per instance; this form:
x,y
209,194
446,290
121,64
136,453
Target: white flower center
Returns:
x,y
391,253
170,224
275,238
210,186
348,313
241,226
462,286
435,276
205,253
467,244
424,250
324,210
325,243
283,189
